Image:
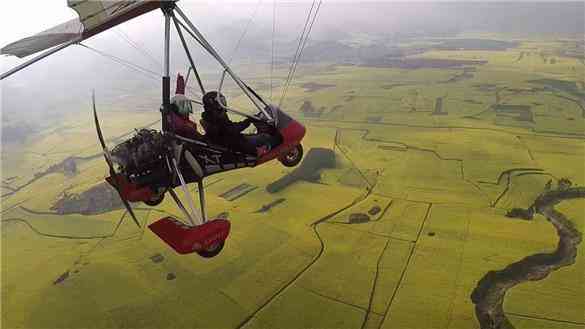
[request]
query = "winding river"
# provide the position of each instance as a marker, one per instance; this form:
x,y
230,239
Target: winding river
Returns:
x,y
490,292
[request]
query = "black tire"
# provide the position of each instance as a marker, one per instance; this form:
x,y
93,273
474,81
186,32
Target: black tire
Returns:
x,y
156,200
293,157
212,251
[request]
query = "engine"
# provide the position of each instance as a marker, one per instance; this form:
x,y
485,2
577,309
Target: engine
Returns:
x,y
141,155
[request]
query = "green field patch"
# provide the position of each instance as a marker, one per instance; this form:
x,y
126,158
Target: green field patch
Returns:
x,y
354,256
420,173
523,189
261,280
67,225
299,308
562,158
356,178
390,268
429,286
403,220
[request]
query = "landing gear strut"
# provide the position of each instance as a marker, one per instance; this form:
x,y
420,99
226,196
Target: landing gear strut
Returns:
x,y
206,238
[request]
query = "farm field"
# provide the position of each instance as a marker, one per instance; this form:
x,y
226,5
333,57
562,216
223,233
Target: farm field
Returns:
x,y
395,230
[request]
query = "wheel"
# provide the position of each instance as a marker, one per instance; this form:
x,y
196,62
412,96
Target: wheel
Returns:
x,y
293,157
155,200
212,251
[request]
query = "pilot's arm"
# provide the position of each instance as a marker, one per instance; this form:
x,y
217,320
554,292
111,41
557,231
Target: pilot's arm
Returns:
x,y
238,127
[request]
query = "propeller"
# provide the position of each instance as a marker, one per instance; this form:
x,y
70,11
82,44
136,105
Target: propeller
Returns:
x,y
108,158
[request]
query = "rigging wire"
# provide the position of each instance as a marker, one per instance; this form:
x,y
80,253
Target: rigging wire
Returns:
x,y
138,47
305,42
302,43
146,72
272,55
250,20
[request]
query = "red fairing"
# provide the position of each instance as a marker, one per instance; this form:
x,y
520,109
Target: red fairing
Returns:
x,y
186,239
130,191
292,135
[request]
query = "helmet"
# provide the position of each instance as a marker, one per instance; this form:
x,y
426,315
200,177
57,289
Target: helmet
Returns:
x,y
212,99
183,104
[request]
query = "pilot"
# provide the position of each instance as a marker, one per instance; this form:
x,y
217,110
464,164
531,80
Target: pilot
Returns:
x,y
221,130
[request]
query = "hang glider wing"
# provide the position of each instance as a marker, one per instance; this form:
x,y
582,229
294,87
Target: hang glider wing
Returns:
x,y
55,36
95,16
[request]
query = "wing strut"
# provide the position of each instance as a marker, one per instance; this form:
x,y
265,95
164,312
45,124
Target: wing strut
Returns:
x,y
188,53
209,48
38,58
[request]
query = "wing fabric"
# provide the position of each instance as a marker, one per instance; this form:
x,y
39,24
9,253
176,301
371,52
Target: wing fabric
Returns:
x,y
98,16
95,16
55,36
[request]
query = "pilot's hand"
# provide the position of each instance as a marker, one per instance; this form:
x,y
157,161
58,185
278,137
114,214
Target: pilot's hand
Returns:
x,y
259,116
255,119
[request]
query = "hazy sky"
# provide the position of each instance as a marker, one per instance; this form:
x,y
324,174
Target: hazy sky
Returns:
x,y
18,21
223,21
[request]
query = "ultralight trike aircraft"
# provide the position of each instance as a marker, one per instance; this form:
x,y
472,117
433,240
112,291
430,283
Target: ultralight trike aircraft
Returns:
x,y
152,163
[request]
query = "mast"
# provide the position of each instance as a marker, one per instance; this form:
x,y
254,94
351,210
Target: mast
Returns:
x,y
167,8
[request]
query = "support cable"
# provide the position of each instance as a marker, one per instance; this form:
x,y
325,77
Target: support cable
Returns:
x,y
302,43
272,55
133,66
250,20
138,47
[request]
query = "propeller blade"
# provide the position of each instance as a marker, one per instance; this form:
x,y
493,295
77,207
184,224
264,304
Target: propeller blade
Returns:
x,y
100,134
108,158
